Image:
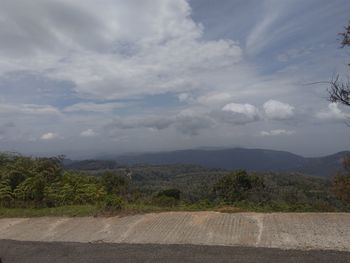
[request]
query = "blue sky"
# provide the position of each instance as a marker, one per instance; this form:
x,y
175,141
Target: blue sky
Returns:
x,y
85,78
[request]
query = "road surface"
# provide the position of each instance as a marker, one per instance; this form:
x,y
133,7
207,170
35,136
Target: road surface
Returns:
x,y
43,252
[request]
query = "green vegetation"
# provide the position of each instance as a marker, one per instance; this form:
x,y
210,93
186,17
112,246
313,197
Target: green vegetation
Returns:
x,y
42,186
42,182
341,182
72,211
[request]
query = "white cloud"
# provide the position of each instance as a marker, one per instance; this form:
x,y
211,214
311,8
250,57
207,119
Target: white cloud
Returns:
x,y
276,110
50,136
213,99
99,52
276,132
190,123
88,133
248,110
93,107
186,122
293,54
112,49
333,113
263,32
150,121
236,114
28,109
185,97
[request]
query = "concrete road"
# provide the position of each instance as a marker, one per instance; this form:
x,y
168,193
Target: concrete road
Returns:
x,y
329,231
56,252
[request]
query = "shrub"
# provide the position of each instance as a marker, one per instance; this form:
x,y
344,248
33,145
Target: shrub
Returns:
x,y
238,186
114,183
173,193
165,201
6,197
341,182
112,203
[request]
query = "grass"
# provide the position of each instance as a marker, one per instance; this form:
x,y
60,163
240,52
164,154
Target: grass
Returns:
x,y
92,210
142,208
71,211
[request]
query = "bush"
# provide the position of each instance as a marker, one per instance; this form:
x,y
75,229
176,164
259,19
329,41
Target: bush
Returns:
x,y
114,183
112,203
165,201
238,186
341,182
6,196
173,193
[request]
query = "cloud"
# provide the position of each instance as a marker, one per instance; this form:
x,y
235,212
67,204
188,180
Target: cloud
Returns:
x,y
214,98
187,122
50,136
294,53
93,107
88,133
90,45
276,132
190,123
185,97
163,72
28,109
150,121
6,130
276,110
263,32
236,113
333,113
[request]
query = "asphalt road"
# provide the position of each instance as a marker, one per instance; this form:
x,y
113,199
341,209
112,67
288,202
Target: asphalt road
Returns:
x,y
55,252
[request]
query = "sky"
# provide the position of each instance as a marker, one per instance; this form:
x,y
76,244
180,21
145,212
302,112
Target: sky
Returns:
x,y
85,78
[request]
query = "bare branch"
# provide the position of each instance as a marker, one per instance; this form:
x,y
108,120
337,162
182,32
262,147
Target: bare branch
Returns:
x,y
345,36
339,91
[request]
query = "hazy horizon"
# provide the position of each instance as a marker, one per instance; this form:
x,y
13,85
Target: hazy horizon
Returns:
x,y
92,155
84,78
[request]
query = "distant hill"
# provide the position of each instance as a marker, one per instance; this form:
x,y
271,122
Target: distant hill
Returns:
x,y
240,158
259,160
91,165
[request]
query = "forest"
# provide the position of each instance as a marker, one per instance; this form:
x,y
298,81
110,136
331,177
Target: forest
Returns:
x,y
32,183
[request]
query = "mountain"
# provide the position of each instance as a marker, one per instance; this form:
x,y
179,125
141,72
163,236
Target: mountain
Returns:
x,y
240,158
91,165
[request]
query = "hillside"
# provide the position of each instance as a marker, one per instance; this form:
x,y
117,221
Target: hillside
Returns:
x,y
239,158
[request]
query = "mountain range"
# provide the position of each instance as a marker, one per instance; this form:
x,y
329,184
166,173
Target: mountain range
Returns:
x,y
241,158
259,160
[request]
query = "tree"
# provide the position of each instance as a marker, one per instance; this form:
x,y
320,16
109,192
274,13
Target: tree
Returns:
x,y
114,183
339,91
341,182
50,168
173,192
345,36
237,186
6,196
31,189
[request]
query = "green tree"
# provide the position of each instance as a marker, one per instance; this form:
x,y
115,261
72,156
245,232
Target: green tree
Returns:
x,y
51,169
6,195
237,186
31,189
89,194
341,182
115,183
173,192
